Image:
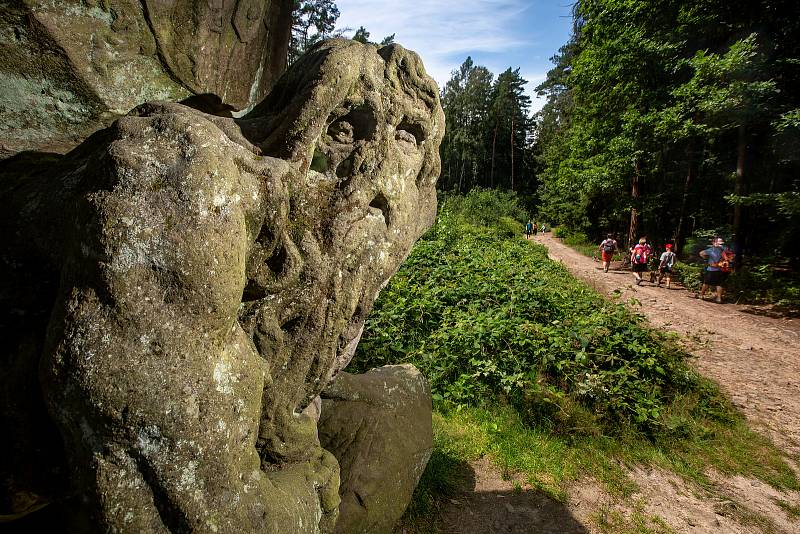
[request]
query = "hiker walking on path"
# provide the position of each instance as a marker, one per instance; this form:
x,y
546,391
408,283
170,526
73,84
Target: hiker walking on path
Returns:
x,y
528,229
640,256
719,262
665,264
534,229
607,249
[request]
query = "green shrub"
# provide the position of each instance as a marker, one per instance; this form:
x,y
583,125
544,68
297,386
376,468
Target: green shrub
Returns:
x,y
508,227
485,207
688,274
487,317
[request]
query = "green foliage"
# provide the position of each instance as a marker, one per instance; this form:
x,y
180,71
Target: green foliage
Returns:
x,y
362,36
484,207
508,227
312,21
696,100
484,317
486,143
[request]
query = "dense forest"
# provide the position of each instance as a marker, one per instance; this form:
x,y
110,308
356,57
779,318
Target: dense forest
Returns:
x,y
666,118
669,118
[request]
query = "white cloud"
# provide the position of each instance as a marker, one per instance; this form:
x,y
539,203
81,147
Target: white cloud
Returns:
x,y
534,79
442,32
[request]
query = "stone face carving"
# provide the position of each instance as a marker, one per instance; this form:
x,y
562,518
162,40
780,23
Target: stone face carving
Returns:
x,y
73,66
378,426
202,279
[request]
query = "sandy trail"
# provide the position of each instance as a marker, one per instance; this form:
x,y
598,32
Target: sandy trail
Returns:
x,y
755,359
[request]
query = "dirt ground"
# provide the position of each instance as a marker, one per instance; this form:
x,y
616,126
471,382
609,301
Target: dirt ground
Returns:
x,y
755,359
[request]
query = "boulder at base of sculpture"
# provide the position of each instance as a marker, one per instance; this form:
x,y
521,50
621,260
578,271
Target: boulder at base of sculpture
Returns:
x,y
378,425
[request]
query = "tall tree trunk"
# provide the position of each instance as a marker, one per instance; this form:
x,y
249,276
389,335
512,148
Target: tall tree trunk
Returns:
x,y
633,230
739,189
494,143
512,152
461,175
680,232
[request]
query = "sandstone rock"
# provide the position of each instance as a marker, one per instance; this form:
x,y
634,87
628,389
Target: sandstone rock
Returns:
x,y
73,66
187,284
378,426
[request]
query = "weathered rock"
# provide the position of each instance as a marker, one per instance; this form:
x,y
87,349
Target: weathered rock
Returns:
x,y
378,426
73,66
200,280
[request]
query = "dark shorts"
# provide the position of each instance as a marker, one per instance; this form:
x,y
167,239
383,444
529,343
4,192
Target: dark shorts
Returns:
x,y
714,278
639,267
666,270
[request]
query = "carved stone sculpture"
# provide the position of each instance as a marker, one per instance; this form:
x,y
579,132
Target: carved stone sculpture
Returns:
x,y
72,66
187,285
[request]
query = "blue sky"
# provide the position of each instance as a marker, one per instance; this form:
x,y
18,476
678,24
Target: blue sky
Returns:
x,y
497,33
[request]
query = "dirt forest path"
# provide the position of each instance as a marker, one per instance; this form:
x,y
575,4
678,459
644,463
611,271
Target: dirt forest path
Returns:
x,y
755,359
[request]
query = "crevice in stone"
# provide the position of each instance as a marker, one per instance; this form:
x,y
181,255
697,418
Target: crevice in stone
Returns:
x,y
292,326
408,127
159,52
172,516
360,499
277,261
381,203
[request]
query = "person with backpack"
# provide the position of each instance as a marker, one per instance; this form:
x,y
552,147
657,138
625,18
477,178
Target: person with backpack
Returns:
x,y
607,249
640,257
719,263
665,265
528,229
534,229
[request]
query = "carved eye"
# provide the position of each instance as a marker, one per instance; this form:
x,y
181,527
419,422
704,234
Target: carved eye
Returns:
x,y
409,132
359,124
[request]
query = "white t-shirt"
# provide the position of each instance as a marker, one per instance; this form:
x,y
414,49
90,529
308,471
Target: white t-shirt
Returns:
x,y
667,259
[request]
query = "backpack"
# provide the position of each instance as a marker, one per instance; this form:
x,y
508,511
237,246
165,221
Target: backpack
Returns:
x,y
725,263
669,260
640,253
608,246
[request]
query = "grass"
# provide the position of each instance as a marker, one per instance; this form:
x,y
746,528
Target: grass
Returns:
x,y
552,382
551,463
792,510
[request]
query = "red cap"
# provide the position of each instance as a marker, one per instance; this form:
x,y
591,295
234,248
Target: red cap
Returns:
x,y
669,246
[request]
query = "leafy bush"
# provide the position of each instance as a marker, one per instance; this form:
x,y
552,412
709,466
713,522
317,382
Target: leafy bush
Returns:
x,y
688,274
509,227
485,207
484,316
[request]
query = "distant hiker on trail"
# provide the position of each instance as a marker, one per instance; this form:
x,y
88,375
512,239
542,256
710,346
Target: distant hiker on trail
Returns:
x,y
528,229
665,265
719,262
534,228
640,256
607,249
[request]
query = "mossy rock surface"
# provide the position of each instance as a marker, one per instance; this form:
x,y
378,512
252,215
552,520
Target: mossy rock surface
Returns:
x,y
71,67
179,289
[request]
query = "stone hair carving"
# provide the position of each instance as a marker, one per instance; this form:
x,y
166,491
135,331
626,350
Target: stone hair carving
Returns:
x,y
207,278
